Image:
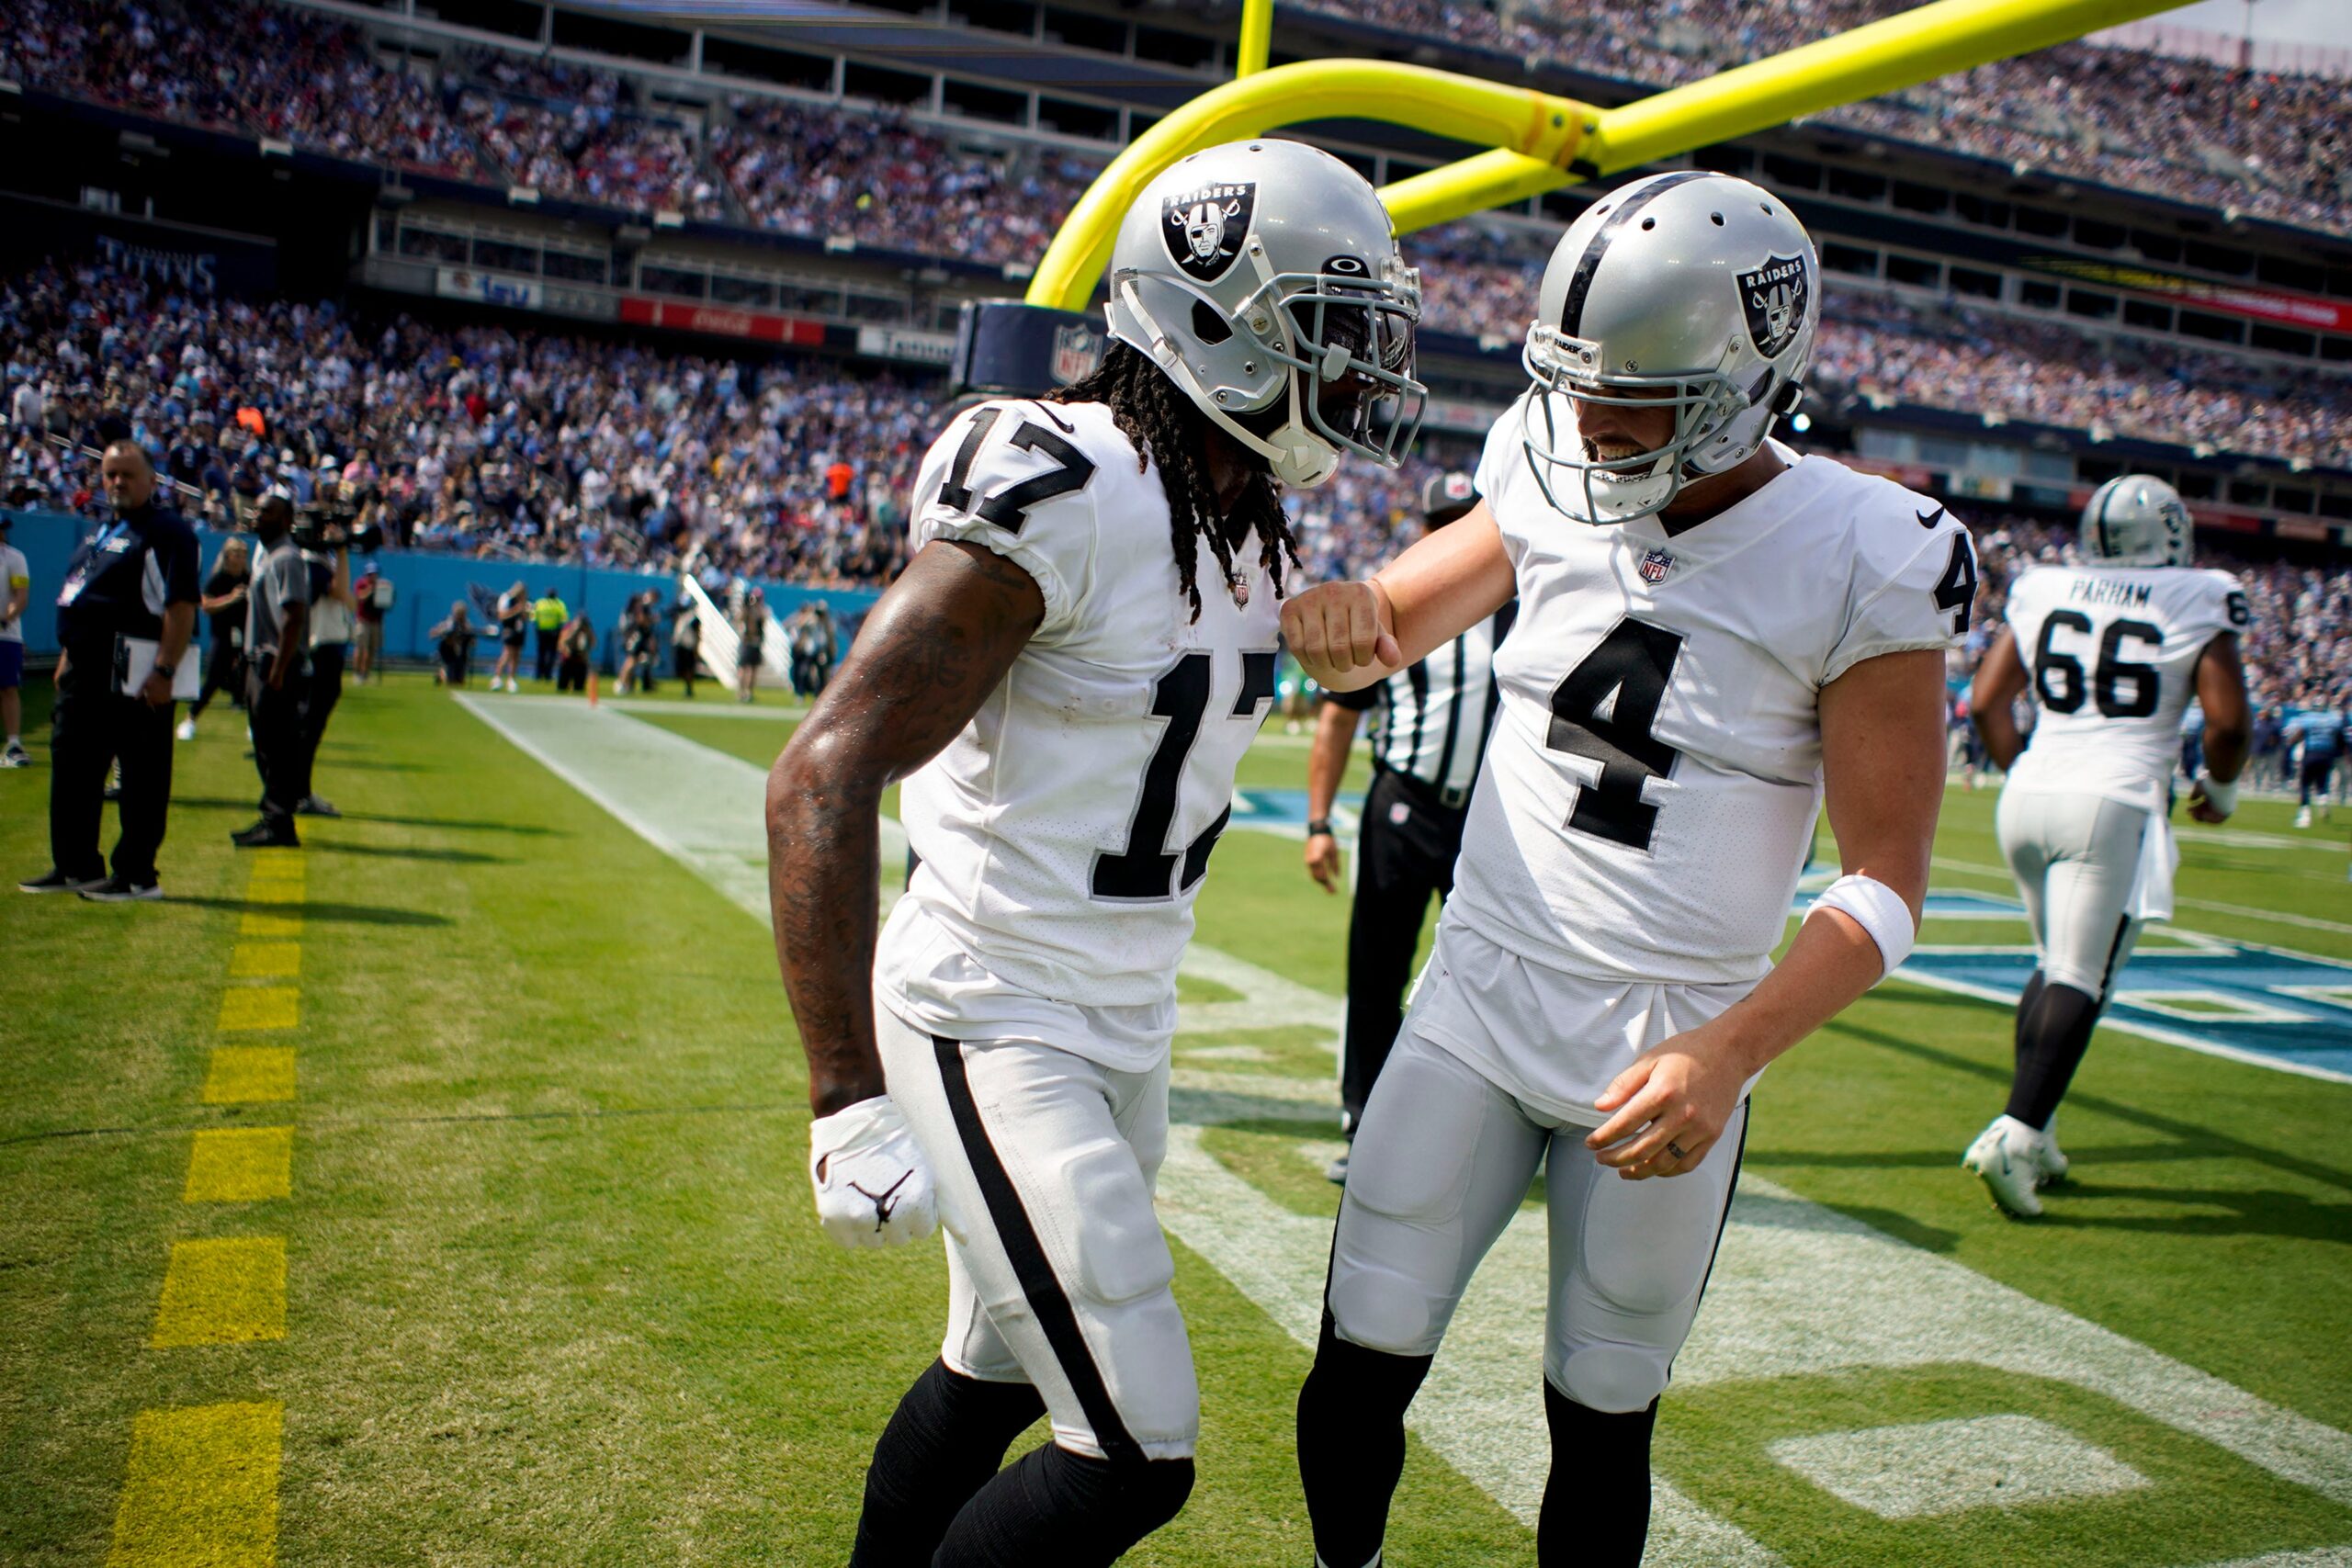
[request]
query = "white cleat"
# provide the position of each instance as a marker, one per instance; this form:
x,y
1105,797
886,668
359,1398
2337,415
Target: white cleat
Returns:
x,y
2051,1157
186,731
2304,817
2008,1155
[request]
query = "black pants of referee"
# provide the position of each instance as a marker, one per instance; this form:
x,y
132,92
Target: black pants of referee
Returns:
x,y
1402,857
325,690
92,727
281,748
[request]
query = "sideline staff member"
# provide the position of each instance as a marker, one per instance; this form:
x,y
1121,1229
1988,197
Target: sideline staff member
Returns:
x,y
1429,734
135,578
276,643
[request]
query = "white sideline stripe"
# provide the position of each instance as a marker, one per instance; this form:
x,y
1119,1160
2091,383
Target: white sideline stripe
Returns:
x,y
2318,1557
1768,1314
2246,911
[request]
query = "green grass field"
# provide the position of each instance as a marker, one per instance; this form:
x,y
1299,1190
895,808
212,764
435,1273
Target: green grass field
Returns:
x,y
553,1294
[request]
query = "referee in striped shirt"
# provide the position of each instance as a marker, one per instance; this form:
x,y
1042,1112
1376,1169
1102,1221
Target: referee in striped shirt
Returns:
x,y
1428,735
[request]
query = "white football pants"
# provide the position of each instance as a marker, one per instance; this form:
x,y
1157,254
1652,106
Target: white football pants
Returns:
x,y
2076,859
1057,1274
1443,1162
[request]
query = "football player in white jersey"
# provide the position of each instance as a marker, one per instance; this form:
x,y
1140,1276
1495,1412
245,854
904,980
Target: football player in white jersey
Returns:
x,y
1712,633
1066,699
2114,651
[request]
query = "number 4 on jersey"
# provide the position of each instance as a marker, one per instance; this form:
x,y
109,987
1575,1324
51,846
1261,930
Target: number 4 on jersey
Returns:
x,y
1604,710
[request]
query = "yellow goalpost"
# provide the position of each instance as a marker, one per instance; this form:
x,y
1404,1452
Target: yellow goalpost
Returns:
x,y
1539,141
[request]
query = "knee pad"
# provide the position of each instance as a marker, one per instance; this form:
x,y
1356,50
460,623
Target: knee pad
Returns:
x,y
1122,1254
1614,1380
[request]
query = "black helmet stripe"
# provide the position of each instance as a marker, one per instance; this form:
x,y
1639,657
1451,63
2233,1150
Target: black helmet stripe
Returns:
x,y
1581,282
2106,500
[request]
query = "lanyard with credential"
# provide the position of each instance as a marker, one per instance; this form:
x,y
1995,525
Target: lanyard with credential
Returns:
x,y
90,566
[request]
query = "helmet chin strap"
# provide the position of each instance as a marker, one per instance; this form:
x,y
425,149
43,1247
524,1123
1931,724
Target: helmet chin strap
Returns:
x,y
1298,456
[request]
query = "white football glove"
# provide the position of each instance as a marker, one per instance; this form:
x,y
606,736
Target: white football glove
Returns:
x,y
2222,798
872,1188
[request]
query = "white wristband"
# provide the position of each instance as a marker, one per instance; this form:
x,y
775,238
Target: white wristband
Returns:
x,y
2223,797
1878,909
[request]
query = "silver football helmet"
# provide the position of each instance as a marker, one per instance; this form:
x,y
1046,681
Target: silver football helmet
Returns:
x,y
1694,292
1260,275
2133,520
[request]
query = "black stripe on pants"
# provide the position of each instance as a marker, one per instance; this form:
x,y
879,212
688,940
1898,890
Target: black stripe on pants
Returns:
x,y
1398,866
1043,1289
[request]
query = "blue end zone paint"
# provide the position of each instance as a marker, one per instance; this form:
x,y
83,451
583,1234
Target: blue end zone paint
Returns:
x,y
2283,1009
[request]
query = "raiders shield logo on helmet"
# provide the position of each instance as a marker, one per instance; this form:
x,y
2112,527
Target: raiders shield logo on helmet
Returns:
x,y
1204,228
1774,299
1078,349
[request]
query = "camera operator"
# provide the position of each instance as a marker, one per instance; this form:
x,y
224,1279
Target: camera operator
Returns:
x,y
224,613
277,640
130,588
335,621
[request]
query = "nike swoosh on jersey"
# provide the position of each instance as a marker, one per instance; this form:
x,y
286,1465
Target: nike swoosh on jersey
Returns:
x,y
1930,519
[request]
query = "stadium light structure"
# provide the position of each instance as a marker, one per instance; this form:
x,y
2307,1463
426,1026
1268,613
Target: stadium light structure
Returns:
x,y
1537,142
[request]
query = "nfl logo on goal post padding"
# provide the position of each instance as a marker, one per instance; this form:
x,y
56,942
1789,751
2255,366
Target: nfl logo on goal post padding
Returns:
x,y
1656,565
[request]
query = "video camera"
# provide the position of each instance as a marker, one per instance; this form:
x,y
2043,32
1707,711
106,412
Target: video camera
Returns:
x,y
328,524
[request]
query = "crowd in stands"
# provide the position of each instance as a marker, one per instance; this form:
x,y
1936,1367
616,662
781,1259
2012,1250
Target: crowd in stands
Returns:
x,y
878,177
479,440
2274,145
2270,144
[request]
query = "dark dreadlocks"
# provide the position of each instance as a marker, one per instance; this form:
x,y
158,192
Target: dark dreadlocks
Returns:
x,y
1165,427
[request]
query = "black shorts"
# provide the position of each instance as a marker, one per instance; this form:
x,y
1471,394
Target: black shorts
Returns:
x,y
510,640
2317,769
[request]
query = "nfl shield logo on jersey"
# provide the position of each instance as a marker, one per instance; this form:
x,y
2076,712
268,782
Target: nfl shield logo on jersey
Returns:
x,y
1656,565
1078,349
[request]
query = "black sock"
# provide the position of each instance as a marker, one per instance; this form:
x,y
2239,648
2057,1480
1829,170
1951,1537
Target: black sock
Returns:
x,y
1351,1443
1055,1506
1597,1499
943,1442
2053,1032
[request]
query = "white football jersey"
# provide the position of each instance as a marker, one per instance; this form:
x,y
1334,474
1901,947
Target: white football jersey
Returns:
x,y
2111,652
1062,836
1649,794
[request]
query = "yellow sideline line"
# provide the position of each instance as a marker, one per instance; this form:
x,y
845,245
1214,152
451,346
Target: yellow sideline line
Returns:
x,y
200,1486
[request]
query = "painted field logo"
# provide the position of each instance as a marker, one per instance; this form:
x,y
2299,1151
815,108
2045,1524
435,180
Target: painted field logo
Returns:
x,y
1204,228
1078,349
1773,296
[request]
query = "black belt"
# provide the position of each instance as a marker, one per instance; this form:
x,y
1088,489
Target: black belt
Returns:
x,y
1436,797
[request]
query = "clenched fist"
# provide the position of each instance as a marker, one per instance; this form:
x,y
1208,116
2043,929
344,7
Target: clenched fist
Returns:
x,y
1342,634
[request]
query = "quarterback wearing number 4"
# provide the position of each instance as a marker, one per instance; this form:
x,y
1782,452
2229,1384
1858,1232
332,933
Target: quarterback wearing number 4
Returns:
x,y
1066,699
1714,636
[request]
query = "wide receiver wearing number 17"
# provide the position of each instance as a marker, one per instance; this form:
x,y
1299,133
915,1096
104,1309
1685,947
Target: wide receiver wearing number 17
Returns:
x,y
1068,700
1712,633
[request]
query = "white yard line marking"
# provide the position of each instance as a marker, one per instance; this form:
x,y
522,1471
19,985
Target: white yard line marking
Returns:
x,y
2276,917
1772,1310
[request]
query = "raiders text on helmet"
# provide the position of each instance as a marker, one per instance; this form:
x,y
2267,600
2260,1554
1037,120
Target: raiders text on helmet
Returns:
x,y
2133,520
1692,292
1258,275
